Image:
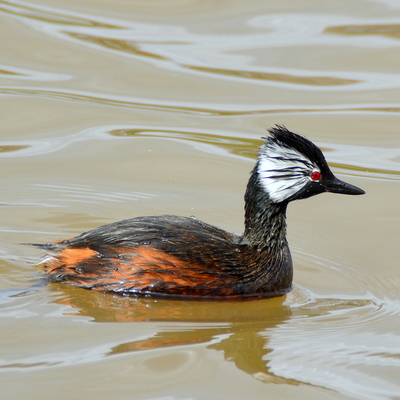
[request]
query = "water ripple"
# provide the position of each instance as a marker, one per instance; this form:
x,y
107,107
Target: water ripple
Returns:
x,y
195,108
385,29
155,44
345,349
90,194
15,73
45,14
351,160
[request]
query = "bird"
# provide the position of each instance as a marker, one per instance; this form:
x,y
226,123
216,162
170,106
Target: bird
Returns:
x,y
177,257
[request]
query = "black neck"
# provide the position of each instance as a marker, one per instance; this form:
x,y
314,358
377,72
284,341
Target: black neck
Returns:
x,y
268,261
265,221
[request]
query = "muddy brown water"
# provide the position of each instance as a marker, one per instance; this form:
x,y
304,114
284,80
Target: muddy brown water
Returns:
x,y
115,109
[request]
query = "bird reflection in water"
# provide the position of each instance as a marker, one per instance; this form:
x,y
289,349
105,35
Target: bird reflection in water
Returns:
x,y
241,327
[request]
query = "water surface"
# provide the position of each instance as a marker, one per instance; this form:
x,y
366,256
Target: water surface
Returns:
x,y
114,109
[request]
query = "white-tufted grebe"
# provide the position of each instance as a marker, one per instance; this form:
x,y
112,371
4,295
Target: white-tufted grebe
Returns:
x,y
185,258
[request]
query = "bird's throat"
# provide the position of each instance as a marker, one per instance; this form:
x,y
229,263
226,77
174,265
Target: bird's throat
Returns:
x,y
265,221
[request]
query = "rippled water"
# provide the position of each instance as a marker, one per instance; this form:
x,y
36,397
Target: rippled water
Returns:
x,y
114,109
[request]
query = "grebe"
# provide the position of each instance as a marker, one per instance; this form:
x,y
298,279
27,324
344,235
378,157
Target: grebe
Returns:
x,y
185,258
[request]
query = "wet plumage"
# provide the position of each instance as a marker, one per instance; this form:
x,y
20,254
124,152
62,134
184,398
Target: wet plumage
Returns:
x,y
184,257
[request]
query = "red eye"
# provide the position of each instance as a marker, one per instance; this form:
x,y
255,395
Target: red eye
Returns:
x,y
315,176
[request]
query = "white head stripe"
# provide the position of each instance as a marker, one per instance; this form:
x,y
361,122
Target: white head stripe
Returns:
x,y
283,171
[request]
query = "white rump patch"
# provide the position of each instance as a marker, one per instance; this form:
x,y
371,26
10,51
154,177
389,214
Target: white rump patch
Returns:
x,y
283,171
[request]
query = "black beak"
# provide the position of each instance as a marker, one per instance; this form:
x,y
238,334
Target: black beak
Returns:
x,y
337,186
